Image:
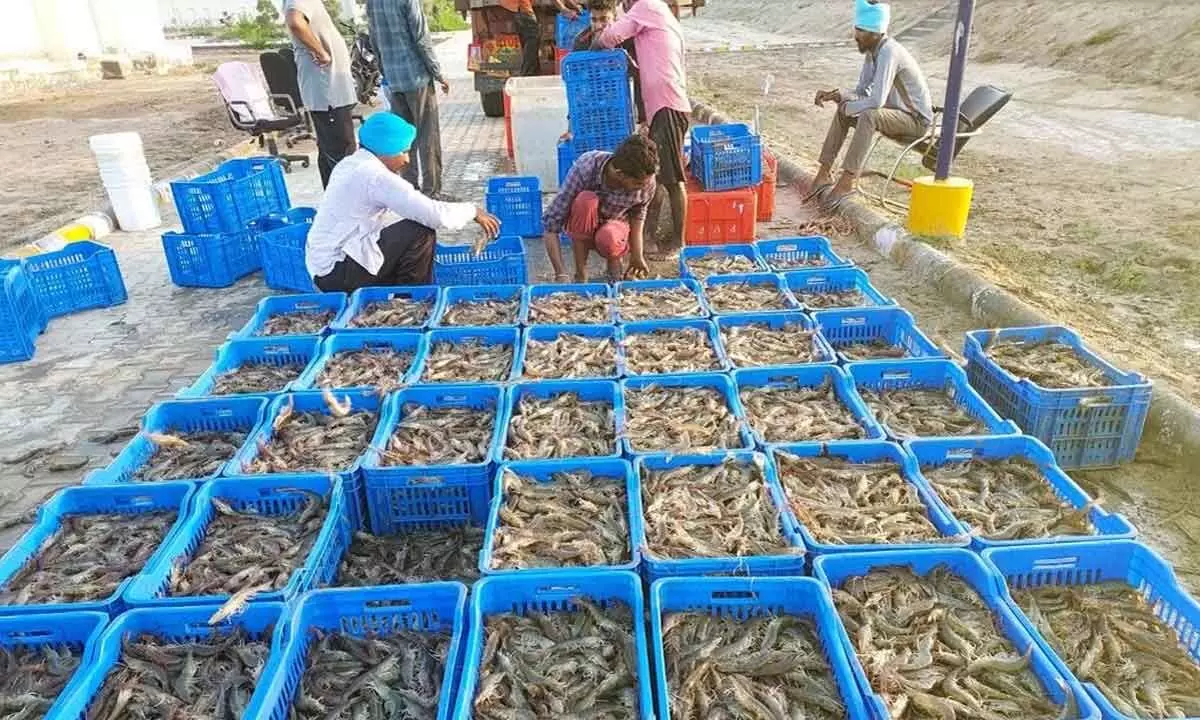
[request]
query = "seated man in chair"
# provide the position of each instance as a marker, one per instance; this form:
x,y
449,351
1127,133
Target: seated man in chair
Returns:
x,y
892,98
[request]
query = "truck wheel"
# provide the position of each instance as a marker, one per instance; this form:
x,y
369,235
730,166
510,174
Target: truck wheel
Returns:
x,y
493,103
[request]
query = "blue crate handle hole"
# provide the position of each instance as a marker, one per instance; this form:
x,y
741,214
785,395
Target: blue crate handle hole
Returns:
x,y
734,597
393,603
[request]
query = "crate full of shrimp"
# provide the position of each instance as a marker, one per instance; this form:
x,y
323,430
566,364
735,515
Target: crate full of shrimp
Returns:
x,y
1048,381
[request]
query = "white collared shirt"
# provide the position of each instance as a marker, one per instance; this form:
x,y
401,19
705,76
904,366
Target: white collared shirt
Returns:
x,y
364,197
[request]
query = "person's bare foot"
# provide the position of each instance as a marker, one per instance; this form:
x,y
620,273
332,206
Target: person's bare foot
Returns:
x,y
819,188
580,277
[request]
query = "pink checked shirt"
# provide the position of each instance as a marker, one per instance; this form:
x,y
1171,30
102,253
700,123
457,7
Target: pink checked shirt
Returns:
x,y
658,39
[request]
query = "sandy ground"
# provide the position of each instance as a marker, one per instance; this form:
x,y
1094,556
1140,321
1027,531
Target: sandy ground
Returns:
x,y
1086,191
50,176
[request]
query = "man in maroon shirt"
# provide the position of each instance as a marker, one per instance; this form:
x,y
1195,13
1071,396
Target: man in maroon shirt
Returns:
x,y
602,207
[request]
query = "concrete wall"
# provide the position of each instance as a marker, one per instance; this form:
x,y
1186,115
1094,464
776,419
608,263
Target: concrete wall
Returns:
x,y
197,12
20,36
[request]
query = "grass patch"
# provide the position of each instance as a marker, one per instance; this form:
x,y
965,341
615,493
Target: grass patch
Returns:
x,y
1123,276
443,17
1102,37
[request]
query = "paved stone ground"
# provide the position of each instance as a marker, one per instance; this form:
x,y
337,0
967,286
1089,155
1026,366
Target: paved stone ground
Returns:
x,y
72,407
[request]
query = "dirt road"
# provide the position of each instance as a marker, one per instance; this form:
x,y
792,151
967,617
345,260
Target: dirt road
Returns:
x,y
49,175
1086,193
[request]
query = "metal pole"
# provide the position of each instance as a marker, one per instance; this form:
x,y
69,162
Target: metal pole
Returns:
x,y
958,63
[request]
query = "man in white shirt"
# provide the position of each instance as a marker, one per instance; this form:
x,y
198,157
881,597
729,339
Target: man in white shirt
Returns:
x,y
356,239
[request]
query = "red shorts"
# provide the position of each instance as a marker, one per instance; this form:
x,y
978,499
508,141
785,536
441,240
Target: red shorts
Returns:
x,y
609,239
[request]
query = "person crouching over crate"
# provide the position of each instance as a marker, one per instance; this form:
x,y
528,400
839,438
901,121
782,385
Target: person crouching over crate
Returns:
x,y
658,38
356,241
602,207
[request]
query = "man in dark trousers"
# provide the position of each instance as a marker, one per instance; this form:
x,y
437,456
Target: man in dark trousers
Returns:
x,y
373,227
410,70
326,84
529,31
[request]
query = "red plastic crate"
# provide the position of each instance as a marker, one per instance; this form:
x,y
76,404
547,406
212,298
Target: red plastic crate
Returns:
x,y
559,54
718,218
766,188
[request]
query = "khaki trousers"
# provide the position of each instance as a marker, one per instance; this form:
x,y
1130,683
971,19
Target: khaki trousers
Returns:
x,y
896,124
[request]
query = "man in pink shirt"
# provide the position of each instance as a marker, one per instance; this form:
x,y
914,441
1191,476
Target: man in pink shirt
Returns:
x,y
658,39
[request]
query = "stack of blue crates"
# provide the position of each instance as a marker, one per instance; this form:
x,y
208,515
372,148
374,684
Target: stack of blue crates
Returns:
x,y
599,103
218,246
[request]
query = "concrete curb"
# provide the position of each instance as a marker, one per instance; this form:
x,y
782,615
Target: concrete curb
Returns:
x,y
1173,422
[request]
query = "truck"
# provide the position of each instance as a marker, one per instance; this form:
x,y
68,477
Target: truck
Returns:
x,y
494,54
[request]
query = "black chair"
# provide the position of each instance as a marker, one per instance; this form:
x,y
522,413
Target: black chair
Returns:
x,y
252,109
980,106
279,68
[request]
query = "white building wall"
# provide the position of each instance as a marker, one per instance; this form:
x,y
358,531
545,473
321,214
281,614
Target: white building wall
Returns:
x,y
66,28
195,12
131,26
20,35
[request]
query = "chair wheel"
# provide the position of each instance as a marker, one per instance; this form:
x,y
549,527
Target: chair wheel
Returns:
x,y
287,167
305,161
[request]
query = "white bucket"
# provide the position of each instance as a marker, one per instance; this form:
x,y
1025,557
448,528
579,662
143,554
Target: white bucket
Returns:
x,y
539,118
126,179
134,205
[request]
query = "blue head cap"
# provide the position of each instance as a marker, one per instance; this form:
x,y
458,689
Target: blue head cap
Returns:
x,y
872,17
386,134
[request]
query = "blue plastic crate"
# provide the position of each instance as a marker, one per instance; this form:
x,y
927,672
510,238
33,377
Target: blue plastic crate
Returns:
x,y
695,252
543,471
726,157
719,382
671,284
654,567
283,304
707,327
835,570
266,495
1122,561
487,336
412,341
870,451
538,291
22,318
547,333
792,253
517,202
596,80
746,598
548,593
1084,427
301,402
214,260
502,262
79,631
831,280
935,453
893,326
603,127
82,275
587,391
809,376
883,375
234,414
380,611
779,321
282,239
566,158
254,351
451,296
224,200
128,499
364,297
767,279
404,496
177,625
566,30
